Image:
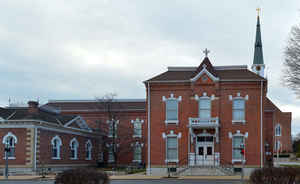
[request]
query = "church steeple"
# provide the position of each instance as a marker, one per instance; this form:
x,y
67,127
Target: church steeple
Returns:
x,y
258,60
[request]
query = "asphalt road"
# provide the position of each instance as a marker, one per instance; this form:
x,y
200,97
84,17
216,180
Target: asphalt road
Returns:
x,y
162,181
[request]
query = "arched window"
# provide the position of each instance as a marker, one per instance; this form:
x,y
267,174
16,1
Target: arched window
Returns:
x,y
88,150
55,147
10,141
278,130
74,148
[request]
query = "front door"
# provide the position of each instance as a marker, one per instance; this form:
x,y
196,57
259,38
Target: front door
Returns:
x,y
205,151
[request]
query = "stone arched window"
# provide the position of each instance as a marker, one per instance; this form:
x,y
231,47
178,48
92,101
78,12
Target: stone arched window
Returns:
x,y
278,130
88,150
56,143
10,140
74,148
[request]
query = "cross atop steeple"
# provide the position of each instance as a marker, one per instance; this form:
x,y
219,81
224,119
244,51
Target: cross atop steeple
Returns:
x,y
258,11
206,52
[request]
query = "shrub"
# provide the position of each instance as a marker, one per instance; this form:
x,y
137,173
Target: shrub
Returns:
x,y
82,176
298,155
275,176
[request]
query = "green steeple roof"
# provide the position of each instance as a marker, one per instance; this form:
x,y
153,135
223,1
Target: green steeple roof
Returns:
x,y
258,52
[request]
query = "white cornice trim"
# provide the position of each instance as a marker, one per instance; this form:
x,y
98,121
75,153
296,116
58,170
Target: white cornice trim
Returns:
x,y
204,70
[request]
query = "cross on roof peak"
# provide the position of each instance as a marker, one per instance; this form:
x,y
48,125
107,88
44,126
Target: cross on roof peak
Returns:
x,y
206,52
258,11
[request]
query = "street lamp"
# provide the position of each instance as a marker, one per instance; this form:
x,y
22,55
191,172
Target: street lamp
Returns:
x,y
6,150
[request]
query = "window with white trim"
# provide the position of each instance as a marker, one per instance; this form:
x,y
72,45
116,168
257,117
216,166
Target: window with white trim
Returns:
x,y
74,148
237,142
171,108
238,110
137,156
137,127
171,146
88,150
277,145
278,130
10,140
113,131
111,157
55,147
204,108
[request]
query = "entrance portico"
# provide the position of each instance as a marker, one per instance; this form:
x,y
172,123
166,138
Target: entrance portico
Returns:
x,y
203,137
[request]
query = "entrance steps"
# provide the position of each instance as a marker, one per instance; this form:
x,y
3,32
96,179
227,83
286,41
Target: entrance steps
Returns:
x,y
205,171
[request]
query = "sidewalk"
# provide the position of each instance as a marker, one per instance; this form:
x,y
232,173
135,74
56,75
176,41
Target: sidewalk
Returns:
x,y
132,177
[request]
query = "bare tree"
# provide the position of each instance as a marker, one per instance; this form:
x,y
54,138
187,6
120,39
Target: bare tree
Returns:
x,y
291,77
117,125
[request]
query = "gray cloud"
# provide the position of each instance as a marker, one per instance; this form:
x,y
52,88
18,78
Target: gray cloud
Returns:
x,y
74,50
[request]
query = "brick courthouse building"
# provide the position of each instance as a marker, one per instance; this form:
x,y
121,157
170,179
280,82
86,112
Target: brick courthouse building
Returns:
x,y
192,116
195,116
205,115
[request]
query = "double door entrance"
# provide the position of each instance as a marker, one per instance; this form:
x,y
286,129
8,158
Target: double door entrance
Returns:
x,y
205,150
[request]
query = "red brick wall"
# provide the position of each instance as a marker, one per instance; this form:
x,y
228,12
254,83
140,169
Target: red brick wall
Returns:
x,y
125,129
45,156
20,149
221,107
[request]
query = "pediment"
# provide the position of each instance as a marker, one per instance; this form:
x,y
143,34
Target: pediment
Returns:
x,y
204,76
78,123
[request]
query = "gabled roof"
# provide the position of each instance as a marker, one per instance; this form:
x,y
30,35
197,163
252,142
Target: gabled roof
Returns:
x,y
217,73
209,67
43,114
270,106
24,114
223,75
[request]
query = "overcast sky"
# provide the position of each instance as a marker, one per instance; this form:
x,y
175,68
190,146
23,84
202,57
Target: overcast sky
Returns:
x,y
63,49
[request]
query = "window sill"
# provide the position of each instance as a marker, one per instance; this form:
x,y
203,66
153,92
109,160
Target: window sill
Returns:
x,y
73,158
55,158
110,161
10,158
137,136
278,135
171,122
88,158
239,121
171,161
137,161
238,160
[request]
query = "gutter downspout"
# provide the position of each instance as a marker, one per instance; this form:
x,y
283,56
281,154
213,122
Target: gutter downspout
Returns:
x,y
261,125
34,155
149,133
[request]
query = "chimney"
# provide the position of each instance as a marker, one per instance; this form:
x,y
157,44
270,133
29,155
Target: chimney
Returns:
x,y
33,107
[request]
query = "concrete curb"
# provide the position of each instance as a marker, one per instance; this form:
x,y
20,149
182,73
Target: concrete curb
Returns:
x,y
129,177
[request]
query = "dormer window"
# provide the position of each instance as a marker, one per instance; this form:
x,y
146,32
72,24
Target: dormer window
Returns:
x,y
172,109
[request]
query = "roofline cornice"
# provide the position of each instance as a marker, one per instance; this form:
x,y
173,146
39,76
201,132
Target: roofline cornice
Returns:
x,y
100,100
